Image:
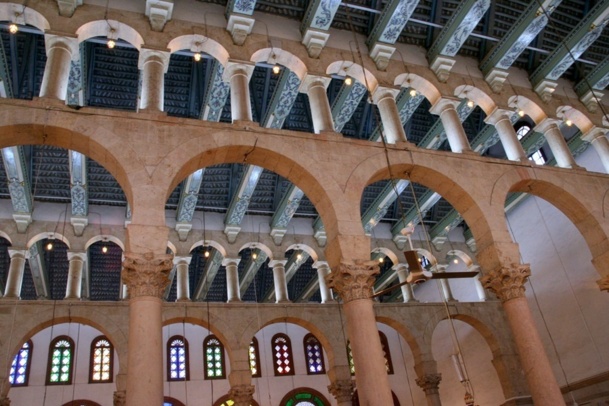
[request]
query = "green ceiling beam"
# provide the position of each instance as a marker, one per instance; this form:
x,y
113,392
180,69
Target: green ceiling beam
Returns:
x,y
79,191
39,271
212,265
381,204
250,269
216,93
18,185
189,196
284,212
346,103
282,100
240,201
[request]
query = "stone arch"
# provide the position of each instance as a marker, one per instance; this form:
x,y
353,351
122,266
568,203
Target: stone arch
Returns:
x,y
200,43
282,57
210,243
579,119
258,245
105,237
22,15
51,235
6,237
356,71
527,105
483,100
388,253
111,29
304,247
467,260
171,246
427,254
296,391
404,332
173,317
420,84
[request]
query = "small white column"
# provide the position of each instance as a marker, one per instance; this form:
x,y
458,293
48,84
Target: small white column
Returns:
x,y
60,52
446,291
482,294
238,75
513,149
321,113
596,136
457,139
390,116
557,143
15,273
153,65
74,285
232,279
281,286
323,269
183,282
407,292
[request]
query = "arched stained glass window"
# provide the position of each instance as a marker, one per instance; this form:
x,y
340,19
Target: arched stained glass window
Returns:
x,y
227,401
177,359
386,353
61,353
282,355
304,397
254,359
213,351
314,355
100,367
20,368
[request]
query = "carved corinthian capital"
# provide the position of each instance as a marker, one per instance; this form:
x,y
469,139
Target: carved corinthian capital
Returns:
x,y
342,390
242,395
507,282
120,398
353,280
430,383
603,283
146,275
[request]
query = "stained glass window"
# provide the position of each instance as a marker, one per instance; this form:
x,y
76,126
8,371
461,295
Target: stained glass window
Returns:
x,y
20,368
282,355
177,359
254,358
61,353
213,351
314,355
304,397
100,369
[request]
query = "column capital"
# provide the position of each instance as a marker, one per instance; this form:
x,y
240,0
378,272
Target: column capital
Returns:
x,y
233,68
153,55
353,281
498,115
342,390
321,264
231,261
23,253
182,260
62,40
77,255
546,125
383,93
120,398
310,81
278,262
507,282
603,283
400,267
430,383
242,394
445,103
593,134
146,275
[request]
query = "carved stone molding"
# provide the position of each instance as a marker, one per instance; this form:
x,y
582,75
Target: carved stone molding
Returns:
x,y
242,395
430,383
120,398
507,282
353,281
342,390
603,283
146,275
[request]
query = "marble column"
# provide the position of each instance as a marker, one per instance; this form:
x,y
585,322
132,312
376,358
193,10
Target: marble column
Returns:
x,y
232,279
557,143
446,290
323,269
153,65
598,139
509,140
430,383
183,282
342,390
60,52
407,292
14,279
321,113
393,130
508,284
242,395
457,139
281,286
354,281
75,270
238,75
146,277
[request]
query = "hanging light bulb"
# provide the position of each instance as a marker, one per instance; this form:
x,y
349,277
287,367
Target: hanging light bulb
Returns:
x,y
197,56
50,246
520,113
381,260
470,104
111,43
348,81
254,255
413,92
13,28
299,256
206,254
569,123
276,69
105,249
455,261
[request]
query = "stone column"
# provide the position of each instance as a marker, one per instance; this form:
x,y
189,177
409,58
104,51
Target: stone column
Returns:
x,y
153,65
281,286
598,139
342,390
393,130
430,383
323,269
482,293
232,279
5,401
354,281
321,113
457,139
146,277
511,144
74,285
14,278
183,282
508,284
407,292
446,290
60,51
242,395
119,398
238,75
557,143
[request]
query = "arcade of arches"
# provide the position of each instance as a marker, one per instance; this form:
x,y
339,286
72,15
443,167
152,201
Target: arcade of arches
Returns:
x,y
214,312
